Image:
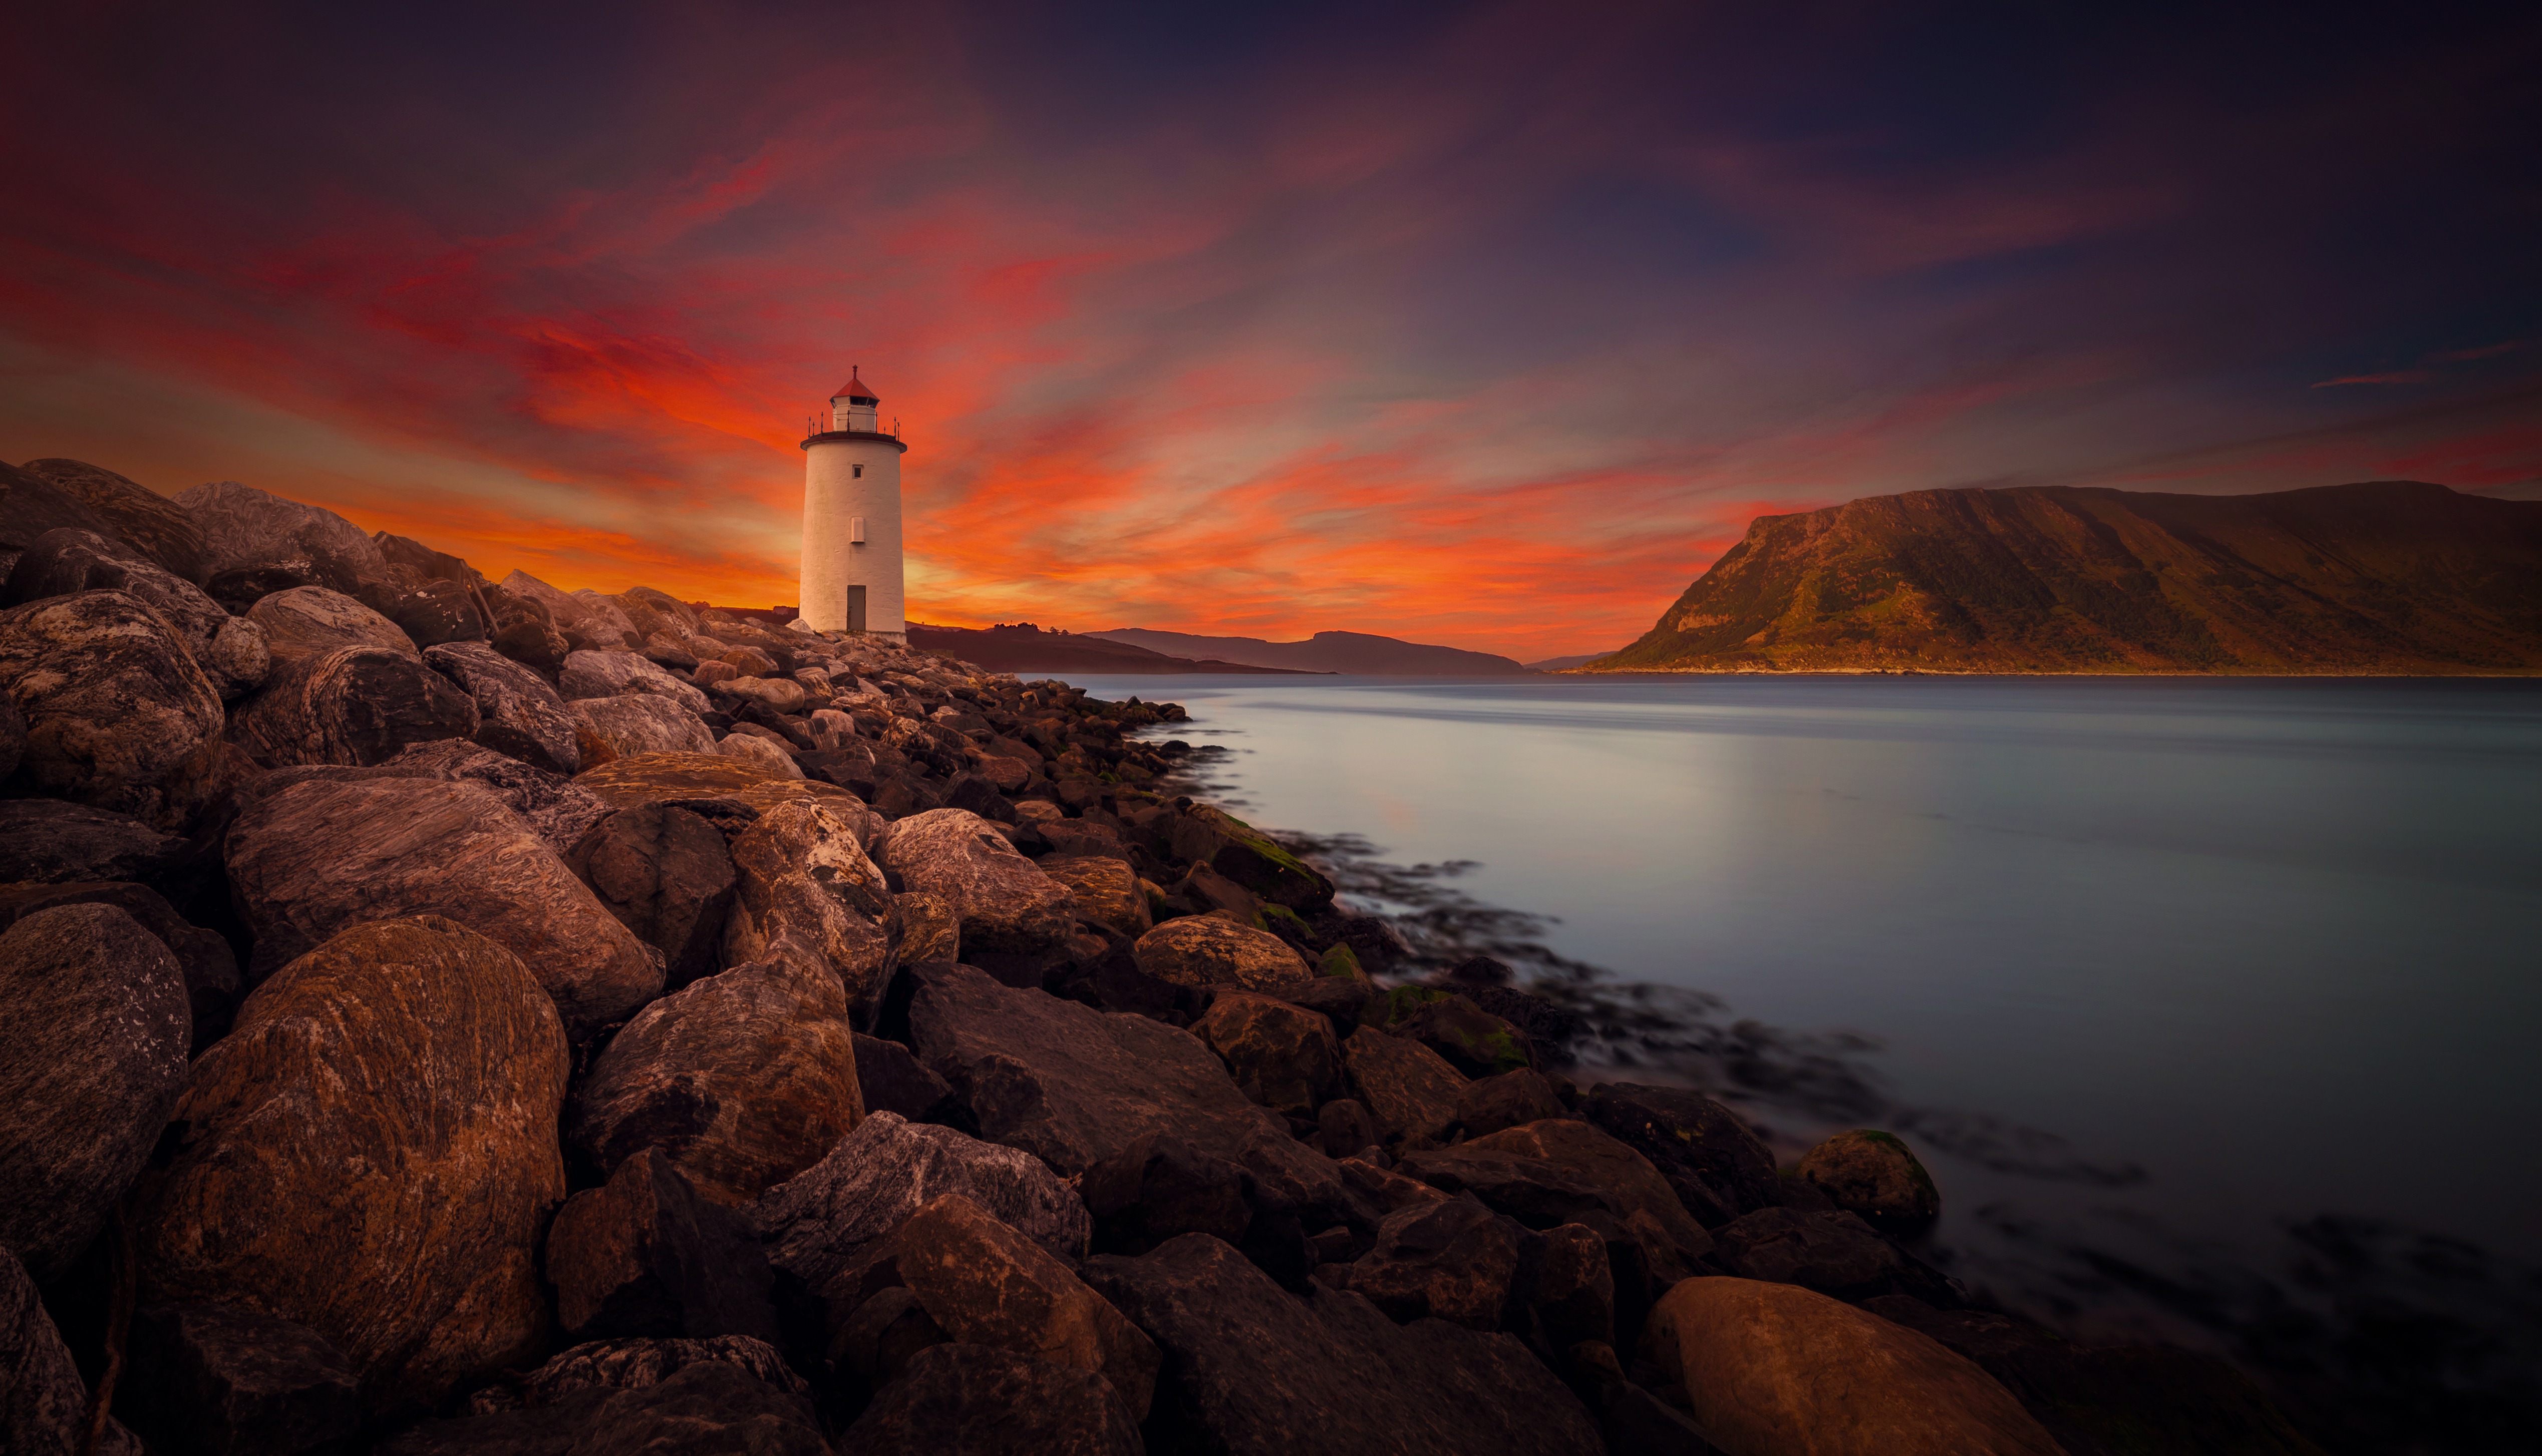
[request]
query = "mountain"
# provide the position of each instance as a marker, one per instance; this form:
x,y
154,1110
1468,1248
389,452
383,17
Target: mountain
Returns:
x,y
1563,664
2387,577
1025,648
1324,652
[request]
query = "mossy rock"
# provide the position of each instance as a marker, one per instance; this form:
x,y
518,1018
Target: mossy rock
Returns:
x,y
1341,961
1876,1175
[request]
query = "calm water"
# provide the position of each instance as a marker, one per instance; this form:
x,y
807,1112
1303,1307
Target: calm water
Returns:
x,y
2274,941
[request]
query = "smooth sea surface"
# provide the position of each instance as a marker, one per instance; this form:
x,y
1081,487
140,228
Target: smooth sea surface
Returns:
x,y
2276,942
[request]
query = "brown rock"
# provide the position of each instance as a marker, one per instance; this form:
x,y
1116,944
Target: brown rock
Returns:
x,y
1451,1260
250,535
231,651
355,706
310,621
930,930
52,843
204,960
316,857
646,1255
1005,903
1289,1052
140,518
801,877
1107,891
669,776
92,1055
1568,1288
517,712
1204,950
633,1364
743,1079
1346,1129
1629,1187
1510,1099
617,673
985,1283
1410,1090
111,697
666,875
557,809
752,749
1775,1368
432,611
1718,1167
213,1378
1827,1250
777,695
43,1403
371,1153
607,729
1875,1176
975,1400
1162,1187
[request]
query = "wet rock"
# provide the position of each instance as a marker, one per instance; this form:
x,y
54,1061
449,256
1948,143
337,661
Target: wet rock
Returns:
x,y
50,841
1073,1086
820,1222
750,748
431,612
1876,1177
930,930
1833,1253
1204,950
1107,891
1410,1090
1289,1051
634,1363
1202,835
110,698
1717,1166
231,651
1162,1187
371,1153
309,860
1003,901
615,674
975,1400
667,876
1547,1161
222,1381
646,1255
557,809
895,1083
1473,1041
743,1079
1255,1369
356,705
517,712
1510,1099
310,621
1452,1260
985,1283
802,877
1771,1367
92,1054
607,729
43,1403
137,516
204,959
250,535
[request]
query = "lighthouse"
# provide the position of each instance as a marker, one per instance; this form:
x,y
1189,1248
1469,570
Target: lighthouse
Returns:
x,y
851,518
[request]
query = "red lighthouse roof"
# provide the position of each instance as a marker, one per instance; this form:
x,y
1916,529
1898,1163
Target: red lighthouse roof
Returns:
x,y
856,390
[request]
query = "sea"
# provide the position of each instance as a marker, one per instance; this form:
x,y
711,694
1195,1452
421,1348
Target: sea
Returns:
x,y
2198,996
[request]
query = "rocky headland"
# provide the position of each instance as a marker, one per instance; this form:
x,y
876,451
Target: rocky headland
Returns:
x,y
2380,577
461,1015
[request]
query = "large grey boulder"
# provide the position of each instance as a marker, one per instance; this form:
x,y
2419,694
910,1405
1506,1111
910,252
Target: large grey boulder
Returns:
x,y
355,706
517,712
1004,903
818,1222
142,519
323,855
307,621
607,729
1075,1086
43,1404
611,674
52,843
230,650
1260,1370
92,1057
112,700
250,538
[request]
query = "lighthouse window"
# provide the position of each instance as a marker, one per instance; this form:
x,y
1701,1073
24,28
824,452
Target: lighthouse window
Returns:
x,y
857,473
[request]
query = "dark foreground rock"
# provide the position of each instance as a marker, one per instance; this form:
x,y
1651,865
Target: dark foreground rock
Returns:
x,y
612,1365
713,1408
1249,1368
1717,1166
517,712
667,875
111,699
52,842
975,1400
355,706
216,1380
1876,1177
43,1403
203,958
646,1255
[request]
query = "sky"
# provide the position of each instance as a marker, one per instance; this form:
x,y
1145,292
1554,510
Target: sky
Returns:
x,y
1482,324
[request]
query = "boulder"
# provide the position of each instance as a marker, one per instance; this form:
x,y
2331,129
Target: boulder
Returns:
x,y
251,537
634,1363
43,1403
1536,1173
1511,1100
607,729
31,505
802,878
204,959
1408,1087
522,634
12,735
214,1378
111,699
371,1153
1566,1288
1204,950
675,777
1257,1369
777,695
1345,1127
616,674
1201,834
646,1255
517,712
1286,1051
1162,1187
355,706
1471,1040
1717,1166
1003,901
431,612
309,860
1073,1086
1771,1367
427,563
1827,1250
562,608
52,843
140,517
930,930
743,1079
664,650
752,749
667,876
976,1400
818,1224
704,1407
230,650
1452,1260
92,1057
556,808
603,616
310,621
894,1082
1876,1177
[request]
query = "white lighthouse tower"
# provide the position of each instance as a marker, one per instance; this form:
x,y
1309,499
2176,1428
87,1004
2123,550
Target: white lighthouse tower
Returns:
x,y
851,518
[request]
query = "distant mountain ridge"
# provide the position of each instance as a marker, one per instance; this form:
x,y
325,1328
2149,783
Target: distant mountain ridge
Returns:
x,y
1324,652
2383,576
1023,647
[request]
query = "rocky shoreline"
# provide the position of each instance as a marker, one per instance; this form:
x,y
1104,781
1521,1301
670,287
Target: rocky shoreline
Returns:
x,y
457,1015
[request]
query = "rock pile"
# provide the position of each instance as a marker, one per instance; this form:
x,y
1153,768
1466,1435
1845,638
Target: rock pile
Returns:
x,y
458,1015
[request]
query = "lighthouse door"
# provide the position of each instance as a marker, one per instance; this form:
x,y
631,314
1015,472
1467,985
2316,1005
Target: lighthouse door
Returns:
x,y
856,609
